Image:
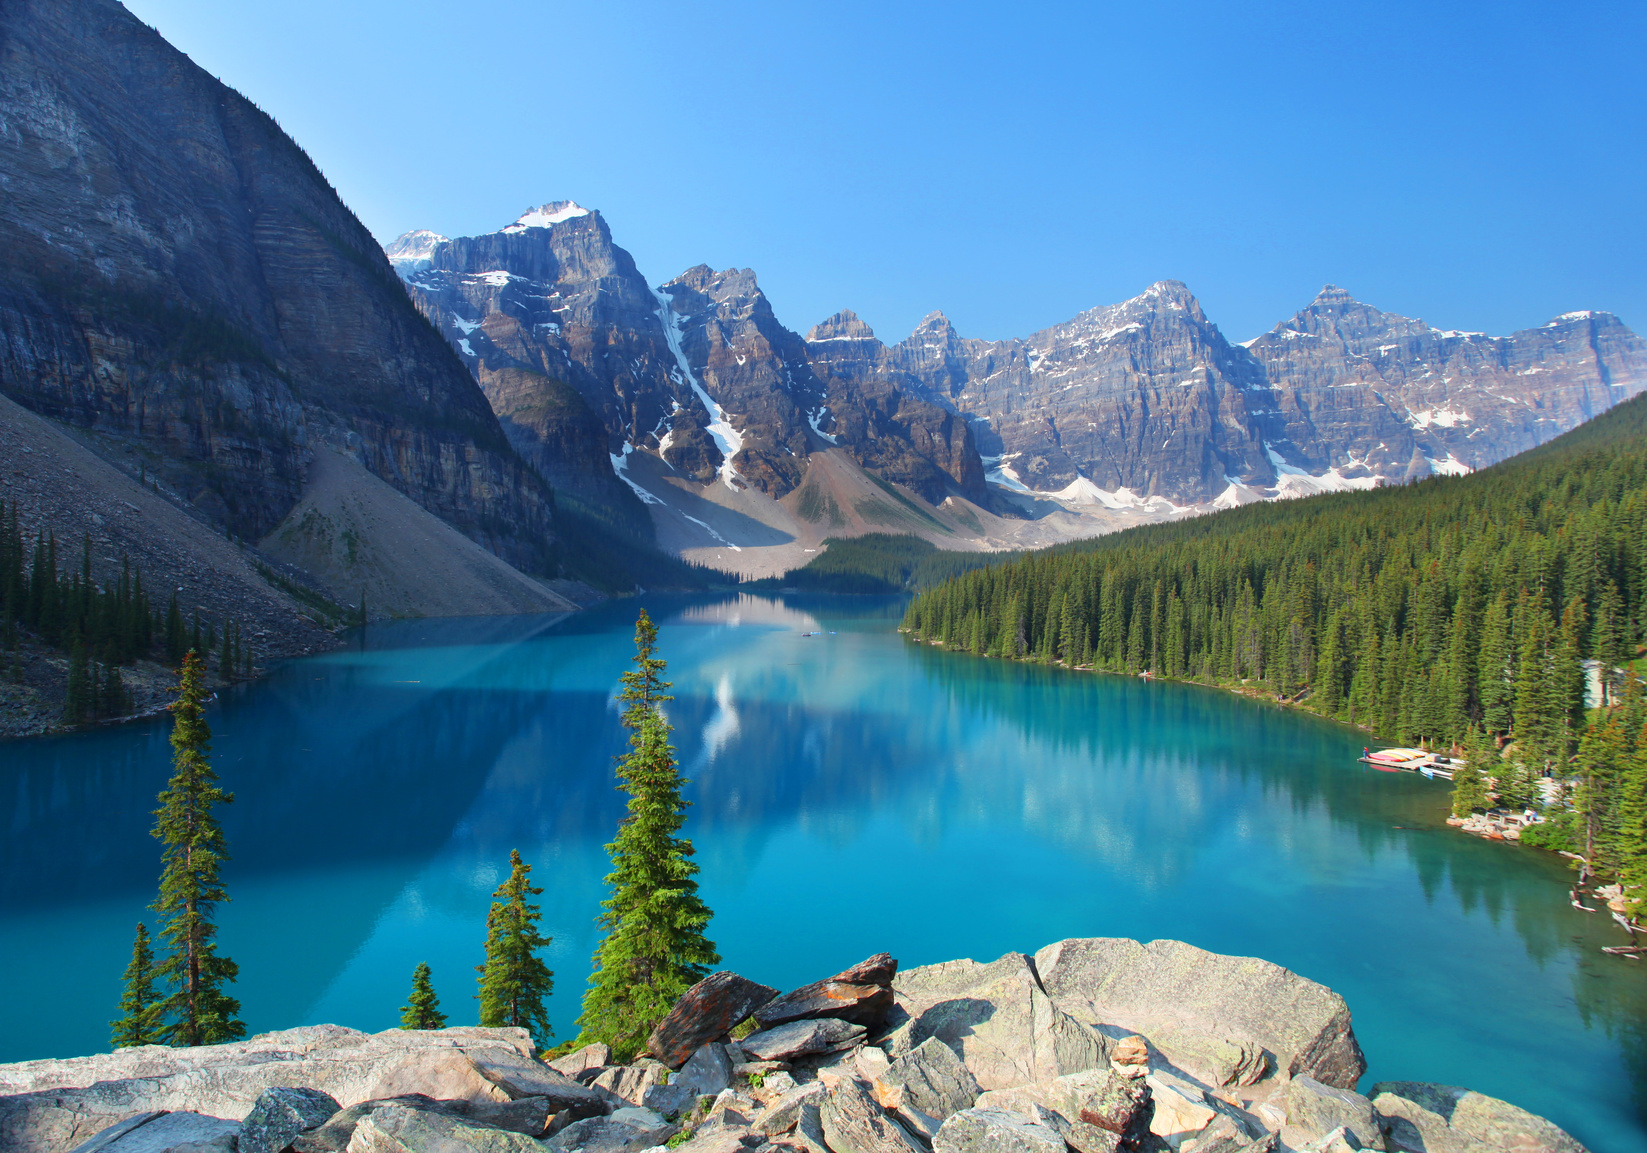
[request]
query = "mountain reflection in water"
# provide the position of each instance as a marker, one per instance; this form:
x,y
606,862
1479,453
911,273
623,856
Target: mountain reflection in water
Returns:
x,y
851,792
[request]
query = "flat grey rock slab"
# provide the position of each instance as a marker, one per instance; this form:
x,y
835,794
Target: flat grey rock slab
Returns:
x,y
182,1132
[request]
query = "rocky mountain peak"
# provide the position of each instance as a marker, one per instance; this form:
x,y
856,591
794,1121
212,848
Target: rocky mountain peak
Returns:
x,y
548,215
934,324
844,325
1331,294
734,292
411,251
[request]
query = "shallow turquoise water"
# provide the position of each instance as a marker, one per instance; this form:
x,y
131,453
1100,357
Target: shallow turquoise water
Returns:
x,y
852,793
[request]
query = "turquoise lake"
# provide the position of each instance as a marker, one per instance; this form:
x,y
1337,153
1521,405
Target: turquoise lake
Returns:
x,y
852,793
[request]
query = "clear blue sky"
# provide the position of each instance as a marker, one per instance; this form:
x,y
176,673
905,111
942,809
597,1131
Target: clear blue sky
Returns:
x,y
1482,165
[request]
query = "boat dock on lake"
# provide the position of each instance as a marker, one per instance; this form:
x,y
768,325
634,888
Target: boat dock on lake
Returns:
x,y
1409,761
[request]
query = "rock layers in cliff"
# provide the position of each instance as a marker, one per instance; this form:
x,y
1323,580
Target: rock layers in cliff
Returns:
x,y
176,276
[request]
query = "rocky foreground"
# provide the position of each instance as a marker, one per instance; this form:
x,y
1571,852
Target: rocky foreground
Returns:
x,y
1095,1045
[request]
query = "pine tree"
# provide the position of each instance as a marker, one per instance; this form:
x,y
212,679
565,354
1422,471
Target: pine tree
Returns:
x,y
655,948
423,1010
514,980
140,1007
201,1012
81,695
1470,778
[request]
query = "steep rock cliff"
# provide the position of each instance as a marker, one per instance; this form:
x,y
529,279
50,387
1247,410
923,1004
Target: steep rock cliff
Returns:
x,y
699,370
179,279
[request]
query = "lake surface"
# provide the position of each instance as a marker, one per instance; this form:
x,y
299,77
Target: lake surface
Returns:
x,y
852,793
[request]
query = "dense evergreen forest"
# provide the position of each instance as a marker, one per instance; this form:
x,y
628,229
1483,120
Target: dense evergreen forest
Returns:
x,y
1454,612
101,628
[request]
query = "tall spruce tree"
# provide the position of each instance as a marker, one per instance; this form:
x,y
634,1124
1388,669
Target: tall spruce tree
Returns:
x,y
1470,778
422,1011
514,980
200,1012
655,947
140,1005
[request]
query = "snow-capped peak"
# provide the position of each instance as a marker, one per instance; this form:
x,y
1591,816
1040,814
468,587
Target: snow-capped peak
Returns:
x,y
410,251
549,214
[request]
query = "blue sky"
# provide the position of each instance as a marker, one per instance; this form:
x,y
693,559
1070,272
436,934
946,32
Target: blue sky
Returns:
x,y
1482,165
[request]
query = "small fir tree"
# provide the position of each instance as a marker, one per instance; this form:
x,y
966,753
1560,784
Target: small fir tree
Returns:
x,y
140,1007
514,980
201,1013
423,1010
655,947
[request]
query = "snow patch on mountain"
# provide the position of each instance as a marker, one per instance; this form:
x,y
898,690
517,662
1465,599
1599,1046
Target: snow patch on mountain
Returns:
x,y
550,214
728,439
410,252
1443,417
1292,481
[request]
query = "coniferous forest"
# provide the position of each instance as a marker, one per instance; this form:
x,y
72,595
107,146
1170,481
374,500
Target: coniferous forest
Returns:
x,y
101,627
1454,612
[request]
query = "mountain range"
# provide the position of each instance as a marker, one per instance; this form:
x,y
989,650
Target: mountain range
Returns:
x,y
185,297
731,427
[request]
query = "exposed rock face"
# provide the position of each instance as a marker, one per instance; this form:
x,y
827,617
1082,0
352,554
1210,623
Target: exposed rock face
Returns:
x,y
1192,1004
699,371
177,277
1145,395
1149,396
1367,391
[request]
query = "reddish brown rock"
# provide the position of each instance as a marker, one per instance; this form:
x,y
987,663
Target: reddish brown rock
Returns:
x,y
706,1011
861,995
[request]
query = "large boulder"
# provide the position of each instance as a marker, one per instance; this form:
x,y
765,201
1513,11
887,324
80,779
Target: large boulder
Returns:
x,y
628,1083
995,1131
861,994
1314,1110
927,1085
1000,1020
595,1056
182,1132
1418,1117
705,1013
280,1114
854,1123
1181,997
802,1038
54,1105
398,1129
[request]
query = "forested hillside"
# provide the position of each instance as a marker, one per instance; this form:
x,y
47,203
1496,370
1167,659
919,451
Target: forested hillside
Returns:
x,y
1423,612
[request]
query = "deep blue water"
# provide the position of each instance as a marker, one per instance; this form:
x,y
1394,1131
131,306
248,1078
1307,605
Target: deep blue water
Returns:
x,y
852,793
